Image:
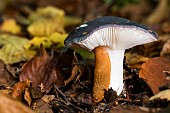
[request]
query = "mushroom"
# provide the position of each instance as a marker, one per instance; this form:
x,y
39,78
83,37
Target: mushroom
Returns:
x,y
109,37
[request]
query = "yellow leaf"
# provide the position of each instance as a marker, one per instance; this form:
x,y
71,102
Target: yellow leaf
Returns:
x,y
10,26
55,38
12,49
46,21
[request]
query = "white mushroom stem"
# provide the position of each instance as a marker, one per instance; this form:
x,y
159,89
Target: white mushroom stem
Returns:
x,y
108,71
116,77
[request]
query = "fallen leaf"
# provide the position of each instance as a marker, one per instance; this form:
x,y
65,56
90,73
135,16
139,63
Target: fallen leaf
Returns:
x,y
8,105
166,49
40,71
36,92
135,60
46,21
10,26
152,72
27,96
56,39
74,73
48,98
165,94
63,67
166,27
19,90
41,107
129,109
12,49
6,79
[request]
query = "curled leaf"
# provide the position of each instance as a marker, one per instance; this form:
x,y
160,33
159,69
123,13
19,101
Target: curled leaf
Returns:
x,y
19,89
27,96
40,71
152,72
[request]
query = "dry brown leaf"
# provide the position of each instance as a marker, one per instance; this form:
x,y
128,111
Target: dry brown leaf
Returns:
x,y
19,89
48,98
74,73
6,79
166,49
40,71
27,96
8,105
129,109
41,107
152,72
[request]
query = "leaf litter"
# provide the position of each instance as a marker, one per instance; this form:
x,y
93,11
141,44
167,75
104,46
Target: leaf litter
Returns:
x,y
61,79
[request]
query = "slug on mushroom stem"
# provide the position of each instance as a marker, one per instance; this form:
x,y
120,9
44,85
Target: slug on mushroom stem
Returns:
x,y
109,37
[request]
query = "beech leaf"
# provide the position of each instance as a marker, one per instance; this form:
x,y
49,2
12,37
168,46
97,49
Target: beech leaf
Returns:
x,y
10,26
8,105
40,71
165,94
19,89
12,49
46,21
56,38
152,72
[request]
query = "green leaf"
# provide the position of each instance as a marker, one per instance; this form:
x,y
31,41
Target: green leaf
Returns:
x,y
12,49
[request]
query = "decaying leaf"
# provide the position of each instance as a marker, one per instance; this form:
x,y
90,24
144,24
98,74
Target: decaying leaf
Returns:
x,y
19,90
6,79
40,71
76,72
56,39
12,49
48,98
166,49
27,96
41,107
10,26
152,72
129,109
165,94
135,60
8,105
46,21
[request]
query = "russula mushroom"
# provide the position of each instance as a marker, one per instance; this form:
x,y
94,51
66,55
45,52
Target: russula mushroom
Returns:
x,y
109,37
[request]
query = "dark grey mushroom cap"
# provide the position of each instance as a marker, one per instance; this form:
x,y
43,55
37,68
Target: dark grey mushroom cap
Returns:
x,y
115,32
